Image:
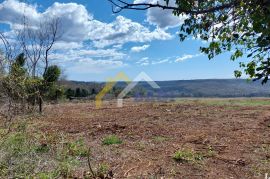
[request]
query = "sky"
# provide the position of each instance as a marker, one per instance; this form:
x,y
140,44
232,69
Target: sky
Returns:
x,y
97,44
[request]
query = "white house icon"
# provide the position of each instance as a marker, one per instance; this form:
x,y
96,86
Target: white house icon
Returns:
x,y
141,77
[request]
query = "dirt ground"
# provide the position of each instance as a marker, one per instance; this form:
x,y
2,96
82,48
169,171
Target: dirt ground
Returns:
x,y
233,140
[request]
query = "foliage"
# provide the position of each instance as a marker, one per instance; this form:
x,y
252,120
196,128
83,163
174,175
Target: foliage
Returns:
x,y
22,88
238,26
242,27
52,74
111,139
187,156
55,93
84,93
69,93
24,154
116,90
78,92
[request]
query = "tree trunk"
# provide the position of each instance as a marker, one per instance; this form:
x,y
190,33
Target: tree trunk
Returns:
x,y
40,105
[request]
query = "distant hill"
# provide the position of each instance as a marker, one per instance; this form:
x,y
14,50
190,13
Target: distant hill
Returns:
x,y
191,88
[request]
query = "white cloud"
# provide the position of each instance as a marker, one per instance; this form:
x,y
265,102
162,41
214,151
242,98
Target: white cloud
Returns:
x,y
74,20
89,61
139,48
186,57
77,28
99,54
140,1
143,61
124,30
62,45
88,65
162,18
13,11
77,24
160,61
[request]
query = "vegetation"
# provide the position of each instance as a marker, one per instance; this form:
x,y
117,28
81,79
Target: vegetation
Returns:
x,y
20,87
27,76
27,154
111,139
37,149
182,88
186,155
237,26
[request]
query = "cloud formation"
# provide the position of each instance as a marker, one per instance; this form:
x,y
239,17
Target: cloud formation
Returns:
x,y
143,61
139,48
88,60
77,24
186,57
162,18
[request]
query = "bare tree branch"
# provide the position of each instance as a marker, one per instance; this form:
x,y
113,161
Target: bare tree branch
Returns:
x,y
37,42
121,5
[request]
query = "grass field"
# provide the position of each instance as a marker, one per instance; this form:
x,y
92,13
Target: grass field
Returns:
x,y
184,138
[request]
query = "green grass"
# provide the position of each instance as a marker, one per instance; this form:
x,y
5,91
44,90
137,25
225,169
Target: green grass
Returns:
x,y
28,154
186,155
111,140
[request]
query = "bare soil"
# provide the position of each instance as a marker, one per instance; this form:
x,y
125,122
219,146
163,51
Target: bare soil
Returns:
x,y
234,140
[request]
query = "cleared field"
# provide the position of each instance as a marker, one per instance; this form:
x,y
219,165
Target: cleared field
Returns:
x,y
180,139
215,138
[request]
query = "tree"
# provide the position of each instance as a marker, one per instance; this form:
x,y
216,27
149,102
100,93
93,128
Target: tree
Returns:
x,y
84,93
238,26
37,41
49,88
52,74
70,93
17,68
27,78
78,92
19,86
93,91
14,82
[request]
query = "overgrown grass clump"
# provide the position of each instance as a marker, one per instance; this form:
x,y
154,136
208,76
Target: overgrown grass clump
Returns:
x,y
31,154
186,155
111,140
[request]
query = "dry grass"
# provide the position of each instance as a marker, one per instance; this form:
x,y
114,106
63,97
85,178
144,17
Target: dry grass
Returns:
x,y
220,141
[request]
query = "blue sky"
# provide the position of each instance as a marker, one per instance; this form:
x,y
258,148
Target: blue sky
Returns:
x,y
97,44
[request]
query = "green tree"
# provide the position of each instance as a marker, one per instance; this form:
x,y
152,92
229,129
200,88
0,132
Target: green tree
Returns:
x,y
14,83
84,93
78,92
17,67
55,93
70,93
52,74
49,89
241,27
93,91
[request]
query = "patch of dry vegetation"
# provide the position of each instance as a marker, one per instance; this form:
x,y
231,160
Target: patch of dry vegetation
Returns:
x,y
170,139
